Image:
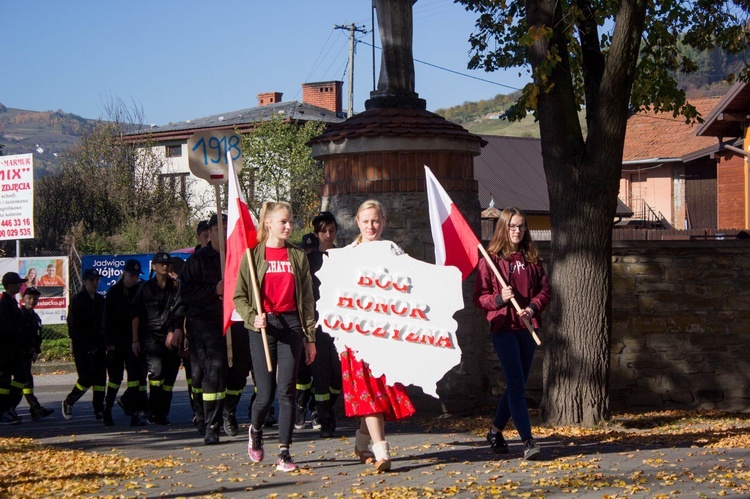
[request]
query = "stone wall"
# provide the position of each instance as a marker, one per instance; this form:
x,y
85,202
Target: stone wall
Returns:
x,y
681,327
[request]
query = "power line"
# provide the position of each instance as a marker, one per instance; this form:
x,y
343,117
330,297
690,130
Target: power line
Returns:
x,y
450,70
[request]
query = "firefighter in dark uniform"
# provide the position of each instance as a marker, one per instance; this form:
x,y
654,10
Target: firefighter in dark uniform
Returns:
x,y
85,330
201,288
151,311
12,374
118,338
31,330
326,367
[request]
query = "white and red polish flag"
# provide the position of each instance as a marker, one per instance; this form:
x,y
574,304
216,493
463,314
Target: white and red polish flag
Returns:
x,y
455,242
241,237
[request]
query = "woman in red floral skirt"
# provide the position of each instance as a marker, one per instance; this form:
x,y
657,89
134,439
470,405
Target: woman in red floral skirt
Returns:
x,y
365,395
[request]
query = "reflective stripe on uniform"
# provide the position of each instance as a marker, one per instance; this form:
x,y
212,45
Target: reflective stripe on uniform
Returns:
x,y
208,397
234,392
110,384
306,386
99,388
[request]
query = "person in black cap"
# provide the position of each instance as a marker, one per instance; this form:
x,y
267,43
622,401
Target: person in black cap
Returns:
x,y
203,234
152,306
118,338
85,331
12,372
202,289
31,330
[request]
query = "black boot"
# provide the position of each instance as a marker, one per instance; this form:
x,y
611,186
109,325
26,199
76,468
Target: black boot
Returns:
x,y
67,404
230,420
212,435
98,402
109,402
35,408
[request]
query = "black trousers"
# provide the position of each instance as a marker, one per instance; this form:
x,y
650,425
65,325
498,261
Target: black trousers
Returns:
x,y
163,365
12,380
240,369
208,363
326,370
119,361
285,343
92,373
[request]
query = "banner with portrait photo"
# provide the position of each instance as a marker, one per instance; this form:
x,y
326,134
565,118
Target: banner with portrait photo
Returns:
x,y
49,274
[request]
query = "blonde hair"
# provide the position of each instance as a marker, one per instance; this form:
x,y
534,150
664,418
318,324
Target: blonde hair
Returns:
x,y
269,208
370,203
501,245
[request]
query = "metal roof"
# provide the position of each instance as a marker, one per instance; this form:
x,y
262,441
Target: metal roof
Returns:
x,y
292,110
510,172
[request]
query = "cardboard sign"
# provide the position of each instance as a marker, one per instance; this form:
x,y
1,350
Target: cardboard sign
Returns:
x,y
207,154
394,311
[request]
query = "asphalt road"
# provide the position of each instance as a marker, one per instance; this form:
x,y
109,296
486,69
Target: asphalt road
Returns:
x,y
456,464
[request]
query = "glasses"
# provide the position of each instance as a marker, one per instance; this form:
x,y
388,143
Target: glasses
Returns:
x,y
513,227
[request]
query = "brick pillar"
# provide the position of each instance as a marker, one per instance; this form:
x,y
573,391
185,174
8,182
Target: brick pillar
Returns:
x,y
381,154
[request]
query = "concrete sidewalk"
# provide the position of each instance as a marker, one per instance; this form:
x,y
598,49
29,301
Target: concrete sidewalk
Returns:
x,y
427,461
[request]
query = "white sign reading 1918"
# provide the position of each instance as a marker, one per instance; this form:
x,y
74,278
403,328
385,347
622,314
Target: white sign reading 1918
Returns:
x,y
207,154
17,197
394,311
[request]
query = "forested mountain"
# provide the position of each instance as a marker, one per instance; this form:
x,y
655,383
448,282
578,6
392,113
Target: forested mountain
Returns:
x,y
45,134
485,116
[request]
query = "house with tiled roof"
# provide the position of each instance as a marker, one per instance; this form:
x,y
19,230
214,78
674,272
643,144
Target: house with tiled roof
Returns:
x,y
669,172
321,101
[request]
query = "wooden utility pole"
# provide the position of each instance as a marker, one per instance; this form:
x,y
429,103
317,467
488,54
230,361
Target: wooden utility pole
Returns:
x,y
353,29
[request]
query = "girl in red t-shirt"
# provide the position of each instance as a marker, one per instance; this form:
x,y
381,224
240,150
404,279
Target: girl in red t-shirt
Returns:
x,y
286,312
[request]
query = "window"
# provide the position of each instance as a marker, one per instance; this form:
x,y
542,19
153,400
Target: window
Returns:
x,y
174,151
176,183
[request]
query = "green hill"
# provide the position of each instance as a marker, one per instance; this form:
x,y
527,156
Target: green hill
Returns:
x,y
45,134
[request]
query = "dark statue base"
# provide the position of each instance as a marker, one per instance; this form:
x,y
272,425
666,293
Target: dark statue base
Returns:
x,y
395,102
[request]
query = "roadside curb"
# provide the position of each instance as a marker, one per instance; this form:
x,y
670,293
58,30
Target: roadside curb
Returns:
x,y
52,368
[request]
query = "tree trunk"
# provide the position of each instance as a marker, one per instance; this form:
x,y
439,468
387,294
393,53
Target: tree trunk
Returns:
x,y
582,182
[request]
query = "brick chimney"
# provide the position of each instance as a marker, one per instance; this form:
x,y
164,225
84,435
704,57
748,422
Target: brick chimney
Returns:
x,y
325,94
269,98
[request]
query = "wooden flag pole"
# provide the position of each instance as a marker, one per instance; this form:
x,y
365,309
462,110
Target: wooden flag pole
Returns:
x,y
256,298
222,244
512,300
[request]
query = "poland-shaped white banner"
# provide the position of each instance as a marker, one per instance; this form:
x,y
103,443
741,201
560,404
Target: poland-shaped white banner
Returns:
x,y
394,311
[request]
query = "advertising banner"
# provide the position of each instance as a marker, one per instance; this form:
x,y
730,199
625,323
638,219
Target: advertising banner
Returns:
x,y
49,274
110,266
17,197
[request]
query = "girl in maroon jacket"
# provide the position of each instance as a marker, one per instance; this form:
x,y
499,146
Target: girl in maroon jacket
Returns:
x,y
517,258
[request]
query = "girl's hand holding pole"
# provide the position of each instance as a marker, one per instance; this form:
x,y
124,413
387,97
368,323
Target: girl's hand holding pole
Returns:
x,y
260,321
